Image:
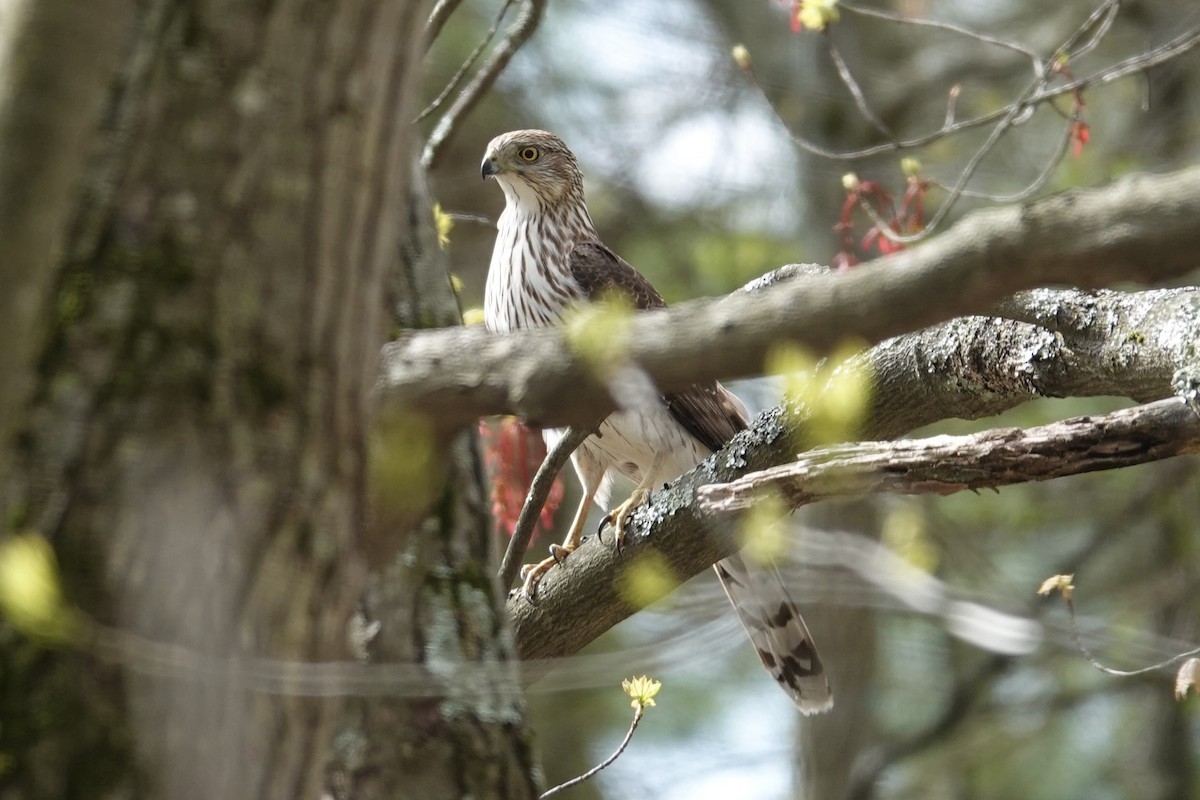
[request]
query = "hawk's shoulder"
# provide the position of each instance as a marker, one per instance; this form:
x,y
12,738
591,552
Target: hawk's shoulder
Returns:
x,y
599,272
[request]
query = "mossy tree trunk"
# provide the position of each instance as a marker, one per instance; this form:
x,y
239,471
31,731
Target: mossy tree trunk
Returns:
x,y
198,447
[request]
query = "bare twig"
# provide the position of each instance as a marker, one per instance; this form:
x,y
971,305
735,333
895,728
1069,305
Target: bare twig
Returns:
x,y
1064,141
1062,584
539,490
946,26
951,105
1125,68
1098,23
518,34
967,693
437,18
474,219
1130,66
1015,113
856,92
638,713
467,64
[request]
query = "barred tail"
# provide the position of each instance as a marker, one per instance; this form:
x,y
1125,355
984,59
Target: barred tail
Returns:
x,y
777,632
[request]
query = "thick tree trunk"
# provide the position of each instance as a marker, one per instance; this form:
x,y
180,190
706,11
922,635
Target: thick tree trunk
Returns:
x,y
197,444
50,100
433,608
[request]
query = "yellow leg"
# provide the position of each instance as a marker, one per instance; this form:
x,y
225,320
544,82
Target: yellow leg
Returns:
x,y
532,573
619,516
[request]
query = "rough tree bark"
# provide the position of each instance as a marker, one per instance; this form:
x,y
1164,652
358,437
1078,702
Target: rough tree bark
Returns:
x,y
50,100
196,445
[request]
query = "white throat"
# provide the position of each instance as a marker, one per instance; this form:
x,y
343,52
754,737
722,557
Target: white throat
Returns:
x,y
519,196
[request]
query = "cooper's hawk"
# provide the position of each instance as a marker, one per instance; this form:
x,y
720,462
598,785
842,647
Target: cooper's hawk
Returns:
x,y
548,258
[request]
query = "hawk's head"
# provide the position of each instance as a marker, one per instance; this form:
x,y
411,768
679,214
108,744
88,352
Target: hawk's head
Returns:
x,y
534,168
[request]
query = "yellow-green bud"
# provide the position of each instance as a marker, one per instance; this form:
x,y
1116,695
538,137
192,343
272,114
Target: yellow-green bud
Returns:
x,y
741,57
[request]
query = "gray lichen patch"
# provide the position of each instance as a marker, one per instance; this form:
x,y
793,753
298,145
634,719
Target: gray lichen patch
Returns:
x,y
474,685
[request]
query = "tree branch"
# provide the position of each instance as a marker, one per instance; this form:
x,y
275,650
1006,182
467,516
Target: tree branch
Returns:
x,y
969,367
676,527
947,464
461,72
437,19
473,92
1051,343
535,499
1142,228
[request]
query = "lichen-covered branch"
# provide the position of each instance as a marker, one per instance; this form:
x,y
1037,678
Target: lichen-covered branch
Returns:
x,y
1107,343
584,597
1141,229
1046,343
987,460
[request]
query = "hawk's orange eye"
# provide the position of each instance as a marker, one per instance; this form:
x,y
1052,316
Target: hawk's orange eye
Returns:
x,y
528,154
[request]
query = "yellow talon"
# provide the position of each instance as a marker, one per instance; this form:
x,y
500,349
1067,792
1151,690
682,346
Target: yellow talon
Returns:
x,y
531,574
619,516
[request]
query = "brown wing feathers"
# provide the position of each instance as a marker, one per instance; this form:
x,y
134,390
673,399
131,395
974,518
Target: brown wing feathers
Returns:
x,y
600,271
706,410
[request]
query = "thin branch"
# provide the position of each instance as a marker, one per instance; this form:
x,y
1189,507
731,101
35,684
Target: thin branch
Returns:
x,y
437,19
1015,113
1064,141
856,92
1130,66
474,219
949,27
539,490
1133,65
518,34
1098,22
1066,592
638,713
948,464
922,140
951,106
1034,186
467,64
958,706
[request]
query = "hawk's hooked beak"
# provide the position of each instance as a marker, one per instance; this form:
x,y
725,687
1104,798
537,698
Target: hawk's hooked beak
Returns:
x,y
489,168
